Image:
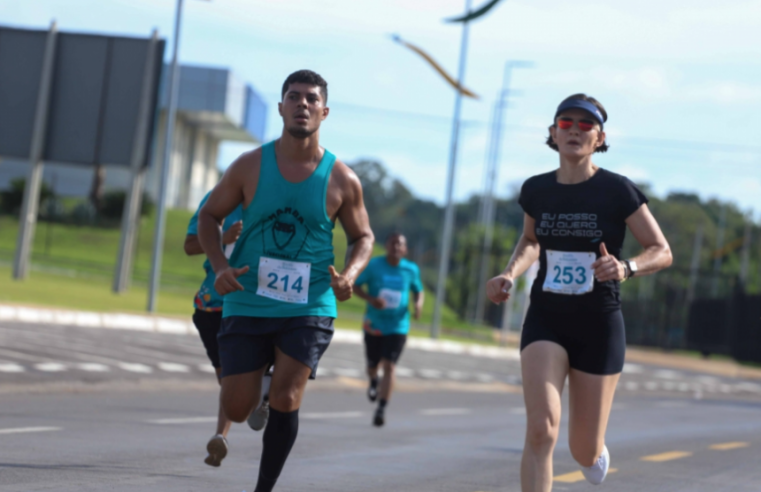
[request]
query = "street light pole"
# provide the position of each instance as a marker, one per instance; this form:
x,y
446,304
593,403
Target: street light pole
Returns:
x,y
158,235
446,240
489,209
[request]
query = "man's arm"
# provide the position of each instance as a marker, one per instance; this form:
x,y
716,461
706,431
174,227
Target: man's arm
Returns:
x,y
419,298
227,195
192,245
356,223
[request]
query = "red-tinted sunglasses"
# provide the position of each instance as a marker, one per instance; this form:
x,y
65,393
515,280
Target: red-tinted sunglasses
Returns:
x,y
567,123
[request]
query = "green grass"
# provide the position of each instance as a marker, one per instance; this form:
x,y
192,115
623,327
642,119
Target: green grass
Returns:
x,y
72,267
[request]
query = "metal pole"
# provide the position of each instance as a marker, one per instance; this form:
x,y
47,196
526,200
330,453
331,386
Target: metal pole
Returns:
x,y
131,213
158,235
29,208
719,246
446,240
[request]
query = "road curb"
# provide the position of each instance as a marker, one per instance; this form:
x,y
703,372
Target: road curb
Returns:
x,y
173,326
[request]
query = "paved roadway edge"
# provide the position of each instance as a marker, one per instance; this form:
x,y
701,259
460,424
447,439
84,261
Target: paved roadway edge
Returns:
x,y
173,326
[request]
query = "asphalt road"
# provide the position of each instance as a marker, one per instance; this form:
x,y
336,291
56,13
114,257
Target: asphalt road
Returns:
x,y
74,417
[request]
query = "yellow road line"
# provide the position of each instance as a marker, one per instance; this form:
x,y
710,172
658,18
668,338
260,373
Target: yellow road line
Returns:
x,y
671,455
576,476
729,445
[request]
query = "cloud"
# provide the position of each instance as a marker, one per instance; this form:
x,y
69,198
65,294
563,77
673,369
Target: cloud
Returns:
x,y
723,92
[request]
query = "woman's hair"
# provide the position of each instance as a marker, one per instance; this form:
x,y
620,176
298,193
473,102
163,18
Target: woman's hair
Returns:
x,y
602,148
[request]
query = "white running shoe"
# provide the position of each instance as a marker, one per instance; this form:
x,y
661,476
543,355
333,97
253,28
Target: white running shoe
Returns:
x,y
259,417
596,473
217,448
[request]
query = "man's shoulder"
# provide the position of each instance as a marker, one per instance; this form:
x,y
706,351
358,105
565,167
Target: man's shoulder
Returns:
x,y
410,266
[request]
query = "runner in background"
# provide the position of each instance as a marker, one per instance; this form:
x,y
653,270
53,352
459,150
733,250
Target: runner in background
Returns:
x,y
575,220
389,280
208,316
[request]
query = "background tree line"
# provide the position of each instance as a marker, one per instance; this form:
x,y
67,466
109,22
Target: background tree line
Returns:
x,y
393,207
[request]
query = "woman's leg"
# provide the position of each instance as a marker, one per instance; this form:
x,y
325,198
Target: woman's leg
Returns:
x,y
544,366
590,400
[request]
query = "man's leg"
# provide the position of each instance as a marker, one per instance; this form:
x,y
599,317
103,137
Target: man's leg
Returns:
x,y
223,423
386,387
373,356
288,382
240,393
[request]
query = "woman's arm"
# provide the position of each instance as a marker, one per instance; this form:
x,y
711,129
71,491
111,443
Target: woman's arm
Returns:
x,y
526,253
657,253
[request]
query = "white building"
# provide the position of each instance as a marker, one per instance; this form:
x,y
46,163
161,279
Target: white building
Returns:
x,y
213,106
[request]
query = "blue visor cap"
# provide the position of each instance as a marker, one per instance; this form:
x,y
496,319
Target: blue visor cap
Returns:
x,y
582,104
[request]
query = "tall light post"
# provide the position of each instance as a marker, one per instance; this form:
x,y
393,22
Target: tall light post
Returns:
x,y
446,241
171,115
489,210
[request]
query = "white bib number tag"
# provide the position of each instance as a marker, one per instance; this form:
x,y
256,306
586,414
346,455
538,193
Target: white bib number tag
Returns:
x,y
393,298
282,280
569,273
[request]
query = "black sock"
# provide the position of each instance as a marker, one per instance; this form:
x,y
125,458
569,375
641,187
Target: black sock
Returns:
x,y
374,382
278,440
382,404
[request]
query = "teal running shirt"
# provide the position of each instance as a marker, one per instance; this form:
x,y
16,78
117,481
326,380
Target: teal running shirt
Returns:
x,y
392,283
206,298
287,242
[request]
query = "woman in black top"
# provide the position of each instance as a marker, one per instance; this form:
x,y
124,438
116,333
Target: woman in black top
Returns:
x,y
574,224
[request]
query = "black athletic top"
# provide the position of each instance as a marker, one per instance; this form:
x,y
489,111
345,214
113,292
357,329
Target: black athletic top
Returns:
x,y
576,218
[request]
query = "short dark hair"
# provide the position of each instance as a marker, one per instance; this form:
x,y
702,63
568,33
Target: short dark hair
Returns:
x,y
306,77
394,234
602,148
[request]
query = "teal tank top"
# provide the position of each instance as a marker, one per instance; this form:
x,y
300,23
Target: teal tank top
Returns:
x,y
287,242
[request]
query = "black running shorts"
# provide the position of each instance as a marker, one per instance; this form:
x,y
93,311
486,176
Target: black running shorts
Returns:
x,y
247,344
595,342
387,347
208,324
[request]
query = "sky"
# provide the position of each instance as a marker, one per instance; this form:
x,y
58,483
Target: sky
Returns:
x,y
681,80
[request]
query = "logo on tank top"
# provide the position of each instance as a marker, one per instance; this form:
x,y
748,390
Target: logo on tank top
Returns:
x,y
284,234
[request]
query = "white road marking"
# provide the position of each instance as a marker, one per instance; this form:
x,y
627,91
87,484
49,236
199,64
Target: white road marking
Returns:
x,y
651,385
21,430
632,368
331,415
430,373
684,387
485,378
518,411
631,385
135,367
347,372
207,368
669,385
11,367
93,367
50,367
750,387
173,367
445,411
322,372
457,375
708,379
183,420
667,374
725,388
404,372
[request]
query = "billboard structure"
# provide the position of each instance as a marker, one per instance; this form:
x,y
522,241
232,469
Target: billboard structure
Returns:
x,y
78,99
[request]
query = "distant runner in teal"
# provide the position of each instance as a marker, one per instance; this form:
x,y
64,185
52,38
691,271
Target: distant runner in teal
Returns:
x,y
280,284
389,280
208,315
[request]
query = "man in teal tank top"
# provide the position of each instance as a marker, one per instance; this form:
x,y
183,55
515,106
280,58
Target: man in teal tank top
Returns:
x,y
208,315
389,280
280,285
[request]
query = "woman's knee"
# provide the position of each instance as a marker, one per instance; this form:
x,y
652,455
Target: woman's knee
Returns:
x,y
542,433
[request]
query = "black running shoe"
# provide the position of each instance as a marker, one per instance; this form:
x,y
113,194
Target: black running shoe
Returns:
x,y
379,419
